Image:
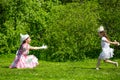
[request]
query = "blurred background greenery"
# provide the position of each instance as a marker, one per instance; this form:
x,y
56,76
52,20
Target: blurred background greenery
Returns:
x,y
68,27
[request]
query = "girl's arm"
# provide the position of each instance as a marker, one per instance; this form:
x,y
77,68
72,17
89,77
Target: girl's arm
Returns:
x,y
36,48
115,42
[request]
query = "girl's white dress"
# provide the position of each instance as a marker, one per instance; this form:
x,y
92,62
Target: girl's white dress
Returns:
x,y
107,52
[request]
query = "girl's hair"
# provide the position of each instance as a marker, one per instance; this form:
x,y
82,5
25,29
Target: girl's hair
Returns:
x,y
23,43
103,33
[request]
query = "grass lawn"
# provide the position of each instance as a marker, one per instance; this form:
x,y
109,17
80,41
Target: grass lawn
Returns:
x,y
81,70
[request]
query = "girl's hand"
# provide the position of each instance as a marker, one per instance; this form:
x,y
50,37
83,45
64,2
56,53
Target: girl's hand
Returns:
x,y
117,43
44,47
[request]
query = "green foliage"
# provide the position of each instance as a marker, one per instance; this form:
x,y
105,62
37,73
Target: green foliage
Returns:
x,y
20,16
70,1
71,31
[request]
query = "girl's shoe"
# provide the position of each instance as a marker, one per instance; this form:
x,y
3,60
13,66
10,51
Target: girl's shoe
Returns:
x,y
97,68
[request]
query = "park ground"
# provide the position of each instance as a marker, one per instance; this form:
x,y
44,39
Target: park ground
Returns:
x,y
47,70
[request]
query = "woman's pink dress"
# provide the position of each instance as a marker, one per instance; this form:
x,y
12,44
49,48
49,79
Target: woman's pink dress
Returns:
x,y
23,60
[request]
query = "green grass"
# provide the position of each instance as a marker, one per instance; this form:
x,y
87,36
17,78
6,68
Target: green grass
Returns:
x,y
81,70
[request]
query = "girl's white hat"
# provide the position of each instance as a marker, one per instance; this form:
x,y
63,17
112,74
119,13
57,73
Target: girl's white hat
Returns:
x,y
23,37
101,28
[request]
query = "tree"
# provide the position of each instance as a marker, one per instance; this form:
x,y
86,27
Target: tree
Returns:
x,y
71,31
20,16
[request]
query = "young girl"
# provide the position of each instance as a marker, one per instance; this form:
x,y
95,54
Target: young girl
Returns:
x,y
107,52
22,59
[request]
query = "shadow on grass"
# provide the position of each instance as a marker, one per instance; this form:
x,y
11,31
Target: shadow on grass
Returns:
x,y
87,68
83,68
4,66
91,68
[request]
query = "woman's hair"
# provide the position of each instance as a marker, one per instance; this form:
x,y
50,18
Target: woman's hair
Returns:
x,y
103,33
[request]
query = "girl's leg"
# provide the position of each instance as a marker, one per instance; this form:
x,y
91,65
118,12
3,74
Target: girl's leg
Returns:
x,y
112,62
98,64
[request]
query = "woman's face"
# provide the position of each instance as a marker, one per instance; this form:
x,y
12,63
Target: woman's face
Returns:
x,y
28,40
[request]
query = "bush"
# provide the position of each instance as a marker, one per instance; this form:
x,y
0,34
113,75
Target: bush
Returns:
x,y
72,32
69,30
